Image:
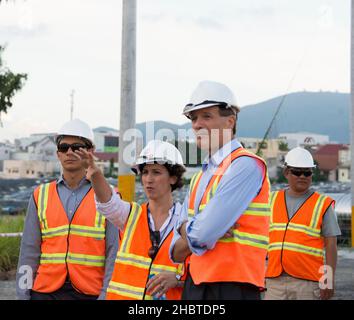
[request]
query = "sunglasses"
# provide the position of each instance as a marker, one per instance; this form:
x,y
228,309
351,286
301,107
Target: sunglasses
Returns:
x,y
64,147
299,173
155,240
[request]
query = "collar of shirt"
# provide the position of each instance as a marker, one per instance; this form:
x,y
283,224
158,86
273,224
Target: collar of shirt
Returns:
x,y
215,160
167,221
61,180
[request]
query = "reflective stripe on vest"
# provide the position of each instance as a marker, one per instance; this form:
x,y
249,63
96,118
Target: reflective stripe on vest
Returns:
x,y
133,266
122,289
246,250
254,208
296,245
96,232
75,258
250,239
194,183
297,248
295,227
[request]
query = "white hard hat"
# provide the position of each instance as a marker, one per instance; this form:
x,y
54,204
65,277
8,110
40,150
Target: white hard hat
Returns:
x,y
210,94
161,152
299,158
76,128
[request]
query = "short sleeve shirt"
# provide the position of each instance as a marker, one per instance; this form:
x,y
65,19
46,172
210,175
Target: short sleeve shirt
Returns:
x,y
329,228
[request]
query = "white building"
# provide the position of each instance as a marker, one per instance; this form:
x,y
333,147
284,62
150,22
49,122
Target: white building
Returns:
x,y
5,151
16,169
34,157
301,139
344,165
105,139
23,143
271,152
41,150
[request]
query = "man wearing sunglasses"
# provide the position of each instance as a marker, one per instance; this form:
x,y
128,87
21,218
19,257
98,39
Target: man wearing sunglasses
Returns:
x,y
302,253
69,247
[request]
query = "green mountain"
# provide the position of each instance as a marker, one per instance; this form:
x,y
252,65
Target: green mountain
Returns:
x,y
325,113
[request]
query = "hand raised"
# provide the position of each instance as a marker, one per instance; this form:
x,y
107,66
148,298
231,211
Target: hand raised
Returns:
x,y
88,162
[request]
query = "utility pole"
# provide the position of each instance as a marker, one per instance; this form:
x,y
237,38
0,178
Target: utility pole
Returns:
x,y
352,118
72,104
126,179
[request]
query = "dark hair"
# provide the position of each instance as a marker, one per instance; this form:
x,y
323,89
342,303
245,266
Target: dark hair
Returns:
x,y
175,170
226,112
87,142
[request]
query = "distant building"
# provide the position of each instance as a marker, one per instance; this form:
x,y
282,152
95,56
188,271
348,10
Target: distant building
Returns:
x,y
106,140
108,162
5,151
42,150
22,144
334,161
15,169
271,151
303,139
344,165
33,157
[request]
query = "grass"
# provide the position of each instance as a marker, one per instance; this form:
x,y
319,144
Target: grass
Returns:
x,y
10,247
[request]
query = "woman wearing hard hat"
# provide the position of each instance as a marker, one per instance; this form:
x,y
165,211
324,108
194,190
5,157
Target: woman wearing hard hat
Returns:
x,y
143,269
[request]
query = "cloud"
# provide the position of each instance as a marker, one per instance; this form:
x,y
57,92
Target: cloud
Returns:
x,y
257,10
208,23
15,31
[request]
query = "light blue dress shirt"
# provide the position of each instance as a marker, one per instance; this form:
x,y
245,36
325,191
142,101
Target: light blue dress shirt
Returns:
x,y
237,188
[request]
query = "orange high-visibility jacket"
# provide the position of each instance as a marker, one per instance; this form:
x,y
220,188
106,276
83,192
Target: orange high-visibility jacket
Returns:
x,y
75,248
134,266
296,246
240,258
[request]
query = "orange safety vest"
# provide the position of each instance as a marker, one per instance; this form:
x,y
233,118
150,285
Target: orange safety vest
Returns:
x,y
133,265
296,245
75,249
242,257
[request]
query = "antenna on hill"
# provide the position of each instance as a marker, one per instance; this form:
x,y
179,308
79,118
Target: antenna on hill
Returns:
x,y
72,104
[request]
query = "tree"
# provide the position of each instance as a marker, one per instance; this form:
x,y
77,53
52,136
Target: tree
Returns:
x,y
283,146
10,83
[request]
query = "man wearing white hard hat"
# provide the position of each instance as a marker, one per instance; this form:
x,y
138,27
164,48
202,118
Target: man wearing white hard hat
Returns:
x,y
68,245
223,229
303,236
143,269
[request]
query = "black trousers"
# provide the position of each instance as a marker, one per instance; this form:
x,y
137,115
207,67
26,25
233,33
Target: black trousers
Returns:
x,y
219,291
66,292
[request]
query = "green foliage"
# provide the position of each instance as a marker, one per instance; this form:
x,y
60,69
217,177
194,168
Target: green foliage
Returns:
x,y
283,146
280,176
319,176
10,83
191,154
10,247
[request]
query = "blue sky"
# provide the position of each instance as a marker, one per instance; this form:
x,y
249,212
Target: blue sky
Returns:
x,y
254,46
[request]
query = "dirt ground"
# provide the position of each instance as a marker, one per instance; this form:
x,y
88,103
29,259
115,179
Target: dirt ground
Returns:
x,y
344,279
